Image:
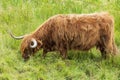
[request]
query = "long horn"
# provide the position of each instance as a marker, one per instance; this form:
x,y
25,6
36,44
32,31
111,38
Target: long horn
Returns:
x,y
15,37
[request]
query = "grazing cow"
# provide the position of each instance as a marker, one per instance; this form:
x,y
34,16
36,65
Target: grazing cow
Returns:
x,y
64,32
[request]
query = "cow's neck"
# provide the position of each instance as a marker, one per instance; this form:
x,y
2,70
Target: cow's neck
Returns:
x,y
41,32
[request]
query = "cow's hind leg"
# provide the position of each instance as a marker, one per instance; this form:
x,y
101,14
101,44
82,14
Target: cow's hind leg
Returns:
x,y
103,52
106,47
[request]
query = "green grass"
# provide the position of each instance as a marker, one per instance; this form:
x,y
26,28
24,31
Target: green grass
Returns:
x,y
24,16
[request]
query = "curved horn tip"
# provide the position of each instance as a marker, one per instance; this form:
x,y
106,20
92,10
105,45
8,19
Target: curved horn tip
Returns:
x,y
13,36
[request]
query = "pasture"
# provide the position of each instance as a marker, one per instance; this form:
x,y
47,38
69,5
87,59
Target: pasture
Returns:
x,y
24,16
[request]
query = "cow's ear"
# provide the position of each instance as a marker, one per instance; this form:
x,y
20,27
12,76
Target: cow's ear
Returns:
x,y
33,43
40,43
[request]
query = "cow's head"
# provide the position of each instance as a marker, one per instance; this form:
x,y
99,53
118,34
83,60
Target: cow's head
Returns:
x,y
29,45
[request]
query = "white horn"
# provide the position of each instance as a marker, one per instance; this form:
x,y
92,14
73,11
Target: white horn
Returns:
x,y
15,37
34,43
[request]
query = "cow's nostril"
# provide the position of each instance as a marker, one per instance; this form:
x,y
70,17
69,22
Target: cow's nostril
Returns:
x,y
26,57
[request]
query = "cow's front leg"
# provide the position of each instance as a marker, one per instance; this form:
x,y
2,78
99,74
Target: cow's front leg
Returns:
x,y
44,53
63,53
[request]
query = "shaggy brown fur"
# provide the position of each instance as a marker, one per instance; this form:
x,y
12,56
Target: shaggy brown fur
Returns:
x,y
73,31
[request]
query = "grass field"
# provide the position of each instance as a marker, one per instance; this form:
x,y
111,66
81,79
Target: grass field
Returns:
x,y
24,16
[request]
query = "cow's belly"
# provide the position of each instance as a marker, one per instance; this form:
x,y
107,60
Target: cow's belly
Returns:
x,y
85,43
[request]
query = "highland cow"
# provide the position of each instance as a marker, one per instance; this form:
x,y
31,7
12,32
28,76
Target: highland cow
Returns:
x,y
65,32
